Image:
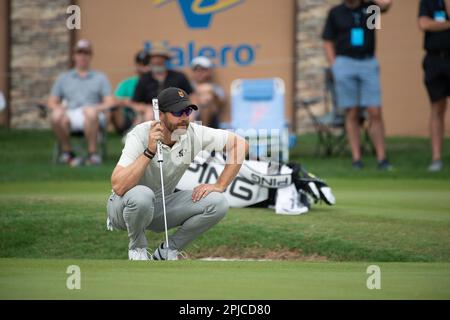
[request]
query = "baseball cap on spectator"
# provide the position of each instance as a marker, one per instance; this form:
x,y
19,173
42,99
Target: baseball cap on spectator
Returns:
x,y
143,58
83,45
160,49
202,62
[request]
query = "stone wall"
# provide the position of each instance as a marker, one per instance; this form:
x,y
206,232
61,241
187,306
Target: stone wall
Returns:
x,y
309,82
40,46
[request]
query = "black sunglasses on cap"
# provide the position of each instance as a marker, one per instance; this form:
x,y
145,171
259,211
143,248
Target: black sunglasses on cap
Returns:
x,y
186,111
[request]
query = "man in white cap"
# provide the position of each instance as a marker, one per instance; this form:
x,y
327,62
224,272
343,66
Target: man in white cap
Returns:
x,y
202,72
77,100
208,95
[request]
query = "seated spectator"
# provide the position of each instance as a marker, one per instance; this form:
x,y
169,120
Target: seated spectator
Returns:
x,y
2,101
77,101
126,114
158,79
208,95
2,108
209,105
350,49
202,72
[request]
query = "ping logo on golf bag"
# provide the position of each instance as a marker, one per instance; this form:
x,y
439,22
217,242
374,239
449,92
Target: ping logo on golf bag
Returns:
x,y
239,188
198,14
271,182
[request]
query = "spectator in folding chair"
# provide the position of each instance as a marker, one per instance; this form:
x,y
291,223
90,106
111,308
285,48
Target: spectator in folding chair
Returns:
x,y
434,21
349,44
208,95
126,113
2,101
77,101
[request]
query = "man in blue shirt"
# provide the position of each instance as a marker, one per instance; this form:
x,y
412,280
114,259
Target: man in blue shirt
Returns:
x,y
126,113
77,101
349,42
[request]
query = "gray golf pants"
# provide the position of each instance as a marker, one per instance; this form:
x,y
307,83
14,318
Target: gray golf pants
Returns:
x,y
138,210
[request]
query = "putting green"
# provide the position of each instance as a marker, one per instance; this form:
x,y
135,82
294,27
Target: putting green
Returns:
x,y
114,279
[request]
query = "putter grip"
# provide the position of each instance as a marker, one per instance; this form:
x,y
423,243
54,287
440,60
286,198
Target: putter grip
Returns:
x,y
156,115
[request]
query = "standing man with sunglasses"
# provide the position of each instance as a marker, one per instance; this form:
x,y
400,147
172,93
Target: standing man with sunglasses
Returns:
x,y
135,204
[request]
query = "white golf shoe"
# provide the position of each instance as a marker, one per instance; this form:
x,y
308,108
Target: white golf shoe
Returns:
x,y
139,254
164,253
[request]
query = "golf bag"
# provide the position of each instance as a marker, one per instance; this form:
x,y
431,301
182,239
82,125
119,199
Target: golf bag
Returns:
x,y
287,188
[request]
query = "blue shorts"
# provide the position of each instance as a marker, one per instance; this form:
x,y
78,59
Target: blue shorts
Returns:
x,y
357,82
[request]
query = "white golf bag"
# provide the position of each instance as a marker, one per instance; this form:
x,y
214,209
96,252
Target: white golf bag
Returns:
x,y
287,188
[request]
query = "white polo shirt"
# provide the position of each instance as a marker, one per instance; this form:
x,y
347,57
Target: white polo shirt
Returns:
x,y
176,158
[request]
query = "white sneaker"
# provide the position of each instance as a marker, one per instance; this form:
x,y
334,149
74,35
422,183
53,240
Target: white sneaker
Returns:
x,y
70,159
94,160
435,166
139,254
164,253
65,158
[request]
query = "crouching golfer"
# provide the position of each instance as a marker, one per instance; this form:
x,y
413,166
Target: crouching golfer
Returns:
x,y
135,204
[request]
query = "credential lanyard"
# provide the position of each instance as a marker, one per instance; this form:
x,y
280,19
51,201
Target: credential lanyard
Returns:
x,y
357,18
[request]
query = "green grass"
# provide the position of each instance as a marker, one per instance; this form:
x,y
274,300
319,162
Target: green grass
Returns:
x,y
26,155
67,220
399,220
112,279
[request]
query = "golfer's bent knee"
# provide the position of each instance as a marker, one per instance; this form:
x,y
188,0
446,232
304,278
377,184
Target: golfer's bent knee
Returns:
x,y
141,197
218,204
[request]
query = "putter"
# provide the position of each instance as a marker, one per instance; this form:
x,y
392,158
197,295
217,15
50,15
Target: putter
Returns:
x,y
160,160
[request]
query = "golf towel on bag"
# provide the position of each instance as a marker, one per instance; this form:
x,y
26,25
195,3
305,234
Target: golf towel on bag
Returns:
x,y
287,188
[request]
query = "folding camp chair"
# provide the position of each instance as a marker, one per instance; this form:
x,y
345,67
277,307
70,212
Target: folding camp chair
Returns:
x,y
257,113
79,144
330,127
77,139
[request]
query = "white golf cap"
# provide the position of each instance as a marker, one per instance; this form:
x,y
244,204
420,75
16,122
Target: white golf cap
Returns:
x,y
83,45
201,61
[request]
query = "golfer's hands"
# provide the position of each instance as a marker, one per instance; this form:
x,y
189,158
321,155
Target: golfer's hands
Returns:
x,y
203,190
155,134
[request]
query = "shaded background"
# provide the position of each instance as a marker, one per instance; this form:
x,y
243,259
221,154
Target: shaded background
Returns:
x,y
285,36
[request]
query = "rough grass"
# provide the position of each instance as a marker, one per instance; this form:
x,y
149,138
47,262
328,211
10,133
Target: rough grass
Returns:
x,y
26,155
